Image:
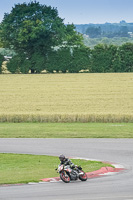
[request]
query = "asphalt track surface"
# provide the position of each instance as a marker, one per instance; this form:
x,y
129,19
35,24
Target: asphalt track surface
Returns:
x,y
116,187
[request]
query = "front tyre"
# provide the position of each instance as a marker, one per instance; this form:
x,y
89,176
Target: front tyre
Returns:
x,y
64,177
83,177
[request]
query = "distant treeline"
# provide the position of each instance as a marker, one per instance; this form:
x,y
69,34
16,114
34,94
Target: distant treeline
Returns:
x,y
109,30
118,41
101,59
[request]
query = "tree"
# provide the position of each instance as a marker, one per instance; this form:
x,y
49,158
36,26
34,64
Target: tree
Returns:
x,y
1,61
1,45
52,63
123,61
69,59
73,37
33,29
18,64
64,59
80,59
102,58
59,60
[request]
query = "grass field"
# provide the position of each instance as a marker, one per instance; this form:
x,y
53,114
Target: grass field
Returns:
x,y
66,130
66,97
21,168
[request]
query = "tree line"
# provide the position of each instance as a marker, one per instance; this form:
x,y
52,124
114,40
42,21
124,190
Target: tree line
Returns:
x,y
101,59
41,41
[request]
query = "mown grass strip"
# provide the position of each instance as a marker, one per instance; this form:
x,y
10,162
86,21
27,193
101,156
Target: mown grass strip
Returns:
x,y
66,130
22,168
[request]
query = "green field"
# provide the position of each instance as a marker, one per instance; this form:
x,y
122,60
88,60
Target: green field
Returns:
x,y
21,168
66,97
66,130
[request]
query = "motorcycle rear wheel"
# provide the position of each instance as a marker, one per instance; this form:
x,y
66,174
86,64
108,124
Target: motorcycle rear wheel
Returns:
x,y
64,177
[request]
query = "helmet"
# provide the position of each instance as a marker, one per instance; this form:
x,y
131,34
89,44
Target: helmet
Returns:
x,y
62,157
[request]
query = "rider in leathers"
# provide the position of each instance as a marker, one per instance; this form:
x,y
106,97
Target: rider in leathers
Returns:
x,y
65,161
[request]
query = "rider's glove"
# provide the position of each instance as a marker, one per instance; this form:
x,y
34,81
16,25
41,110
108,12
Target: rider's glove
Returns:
x,y
72,166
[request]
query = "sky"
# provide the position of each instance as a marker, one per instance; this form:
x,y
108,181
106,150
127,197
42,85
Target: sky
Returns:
x,y
82,11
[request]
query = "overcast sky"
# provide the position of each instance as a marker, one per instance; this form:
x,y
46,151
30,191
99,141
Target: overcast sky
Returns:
x,y
83,11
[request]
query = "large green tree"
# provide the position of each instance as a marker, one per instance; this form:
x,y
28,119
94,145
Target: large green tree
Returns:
x,y
32,30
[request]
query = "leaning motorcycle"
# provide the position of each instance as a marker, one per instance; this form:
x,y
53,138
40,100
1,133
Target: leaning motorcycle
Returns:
x,y
68,174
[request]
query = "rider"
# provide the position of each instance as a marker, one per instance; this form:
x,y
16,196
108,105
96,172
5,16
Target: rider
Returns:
x,y
65,161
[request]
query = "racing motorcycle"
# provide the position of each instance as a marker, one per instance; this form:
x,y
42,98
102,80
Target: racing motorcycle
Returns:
x,y
67,174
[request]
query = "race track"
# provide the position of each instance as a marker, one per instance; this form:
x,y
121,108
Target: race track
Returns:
x,y
116,187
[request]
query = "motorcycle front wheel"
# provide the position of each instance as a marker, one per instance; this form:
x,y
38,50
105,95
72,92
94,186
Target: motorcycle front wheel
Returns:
x,y
83,177
64,177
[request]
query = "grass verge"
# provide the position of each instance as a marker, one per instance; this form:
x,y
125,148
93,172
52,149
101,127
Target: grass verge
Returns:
x,y
22,168
66,130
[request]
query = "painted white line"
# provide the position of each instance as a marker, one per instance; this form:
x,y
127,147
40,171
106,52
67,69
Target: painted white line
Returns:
x,y
53,181
42,182
31,183
85,159
108,173
118,166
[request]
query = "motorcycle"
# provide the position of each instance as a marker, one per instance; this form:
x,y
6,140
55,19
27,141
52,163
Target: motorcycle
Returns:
x,y
68,174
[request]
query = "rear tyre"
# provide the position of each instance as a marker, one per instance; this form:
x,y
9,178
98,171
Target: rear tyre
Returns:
x,y
83,177
64,177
